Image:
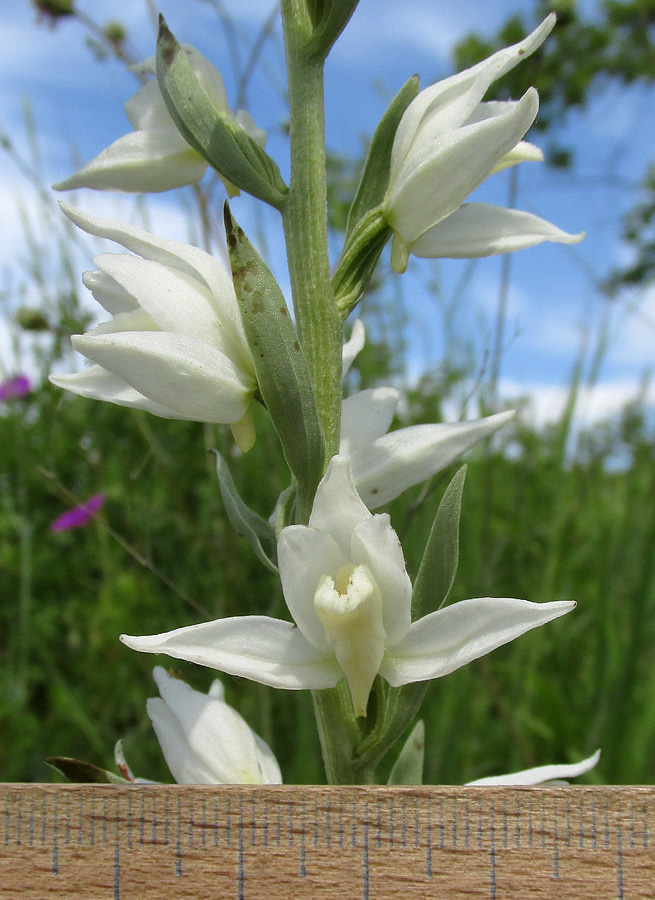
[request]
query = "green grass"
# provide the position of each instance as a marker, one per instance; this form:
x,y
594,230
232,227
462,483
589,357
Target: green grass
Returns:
x,y
532,526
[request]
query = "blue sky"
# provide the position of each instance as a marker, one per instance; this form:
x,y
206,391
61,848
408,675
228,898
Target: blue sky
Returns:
x,y
552,302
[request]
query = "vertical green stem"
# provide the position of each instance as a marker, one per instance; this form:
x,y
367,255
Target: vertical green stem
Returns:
x,y
340,735
305,222
317,319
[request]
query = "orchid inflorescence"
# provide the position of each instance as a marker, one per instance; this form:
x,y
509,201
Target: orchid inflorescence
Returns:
x,y
187,339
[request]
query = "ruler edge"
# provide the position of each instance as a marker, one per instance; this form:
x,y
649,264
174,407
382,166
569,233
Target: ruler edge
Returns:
x,y
366,790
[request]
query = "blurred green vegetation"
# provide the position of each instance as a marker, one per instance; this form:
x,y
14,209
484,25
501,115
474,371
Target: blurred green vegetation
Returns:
x,y
538,521
161,554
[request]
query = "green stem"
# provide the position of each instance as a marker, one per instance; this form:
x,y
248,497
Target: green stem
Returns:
x,y
340,736
318,322
305,222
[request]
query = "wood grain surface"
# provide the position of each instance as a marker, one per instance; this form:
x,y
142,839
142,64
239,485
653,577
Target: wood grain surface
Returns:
x,y
174,842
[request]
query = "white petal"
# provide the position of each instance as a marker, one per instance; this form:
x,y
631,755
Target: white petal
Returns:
x,y
141,161
441,172
453,99
181,373
523,152
192,260
366,416
209,77
109,295
540,774
268,764
408,456
245,120
217,747
134,320
352,346
175,300
305,555
338,508
147,109
97,383
262,649
451,637
173,743
376,545
480,229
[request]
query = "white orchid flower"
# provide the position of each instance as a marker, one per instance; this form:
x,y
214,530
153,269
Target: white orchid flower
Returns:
x,y
175,345
154,156
541,774
384,465
448,142
346,587
206,741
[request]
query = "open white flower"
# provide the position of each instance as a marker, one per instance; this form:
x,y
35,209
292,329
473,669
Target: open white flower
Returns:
x,y
541,774
175,345
346,587
206,741
384,465
448,142
154,156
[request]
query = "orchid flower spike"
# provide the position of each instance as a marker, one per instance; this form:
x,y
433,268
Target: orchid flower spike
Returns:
x,y
174,345
448,142
206,741
348,592
154,156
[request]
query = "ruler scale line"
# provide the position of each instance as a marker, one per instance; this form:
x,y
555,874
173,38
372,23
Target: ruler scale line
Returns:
x,y
555,847
117,858
619,855
303,870
365,872
492,852
241,878
55,840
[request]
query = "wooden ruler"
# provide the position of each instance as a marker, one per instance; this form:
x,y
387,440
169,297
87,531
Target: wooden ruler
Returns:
x,y
316,843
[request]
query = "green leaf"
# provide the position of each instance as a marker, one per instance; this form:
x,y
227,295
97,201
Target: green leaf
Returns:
x,y
439,564
358,260
408,768
375,177
245,522
280,366
79,772
396,714
367,231
226,146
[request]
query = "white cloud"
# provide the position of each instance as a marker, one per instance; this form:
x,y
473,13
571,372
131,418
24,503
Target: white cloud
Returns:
x,y
546,403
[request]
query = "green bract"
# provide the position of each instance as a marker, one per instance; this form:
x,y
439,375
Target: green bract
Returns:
x,y
219,138
367,230
330,17
280,366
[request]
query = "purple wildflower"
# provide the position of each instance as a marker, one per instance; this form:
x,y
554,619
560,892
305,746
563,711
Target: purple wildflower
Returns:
x,y
14,387
80,515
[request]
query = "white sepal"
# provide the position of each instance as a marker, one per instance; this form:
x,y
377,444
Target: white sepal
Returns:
x,y
541,774
204,740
